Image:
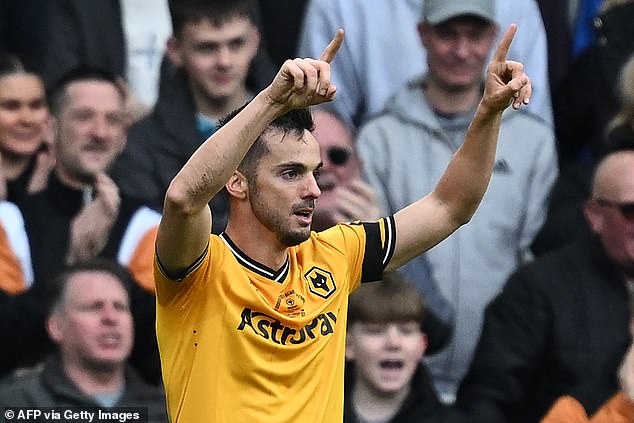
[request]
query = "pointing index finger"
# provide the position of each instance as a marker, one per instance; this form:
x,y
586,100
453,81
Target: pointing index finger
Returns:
x,y
331,50
503,48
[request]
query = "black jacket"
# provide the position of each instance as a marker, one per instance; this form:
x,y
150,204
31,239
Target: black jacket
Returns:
x,y
84,32
17,190
560,323
22,329
588,97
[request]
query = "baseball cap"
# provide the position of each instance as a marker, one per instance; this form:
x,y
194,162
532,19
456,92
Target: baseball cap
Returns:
x,y
437,11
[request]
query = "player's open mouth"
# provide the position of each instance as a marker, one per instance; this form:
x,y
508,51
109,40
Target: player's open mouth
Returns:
x,y
306,213
305,216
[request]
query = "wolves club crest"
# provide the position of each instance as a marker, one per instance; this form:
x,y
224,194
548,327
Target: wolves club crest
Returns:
x,y
320,282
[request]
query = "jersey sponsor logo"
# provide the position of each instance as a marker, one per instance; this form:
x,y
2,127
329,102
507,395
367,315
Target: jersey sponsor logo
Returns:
x,y
269,328
320,282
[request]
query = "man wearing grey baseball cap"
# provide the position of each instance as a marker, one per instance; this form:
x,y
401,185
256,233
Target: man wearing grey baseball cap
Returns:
x,y
405,148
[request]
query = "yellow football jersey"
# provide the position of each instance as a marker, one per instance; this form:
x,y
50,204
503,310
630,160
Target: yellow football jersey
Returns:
x,y
241,342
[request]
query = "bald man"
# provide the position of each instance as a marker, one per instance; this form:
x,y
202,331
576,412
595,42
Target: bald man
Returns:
x,y
560,326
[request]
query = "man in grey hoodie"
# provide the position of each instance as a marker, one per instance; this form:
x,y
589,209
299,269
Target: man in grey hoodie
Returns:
x,y
405,150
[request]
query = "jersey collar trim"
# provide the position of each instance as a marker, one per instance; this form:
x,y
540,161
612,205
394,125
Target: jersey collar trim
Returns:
x,y
254,266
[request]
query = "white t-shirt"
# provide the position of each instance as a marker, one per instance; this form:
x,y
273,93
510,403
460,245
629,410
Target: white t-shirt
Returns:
x,y
147,26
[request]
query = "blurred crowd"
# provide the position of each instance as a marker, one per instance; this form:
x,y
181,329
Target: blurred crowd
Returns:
x,y
522,315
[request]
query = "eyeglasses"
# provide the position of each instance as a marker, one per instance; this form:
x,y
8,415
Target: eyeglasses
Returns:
x,y
339,156
626,209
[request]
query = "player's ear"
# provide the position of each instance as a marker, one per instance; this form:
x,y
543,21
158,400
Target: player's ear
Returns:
x,y
237,185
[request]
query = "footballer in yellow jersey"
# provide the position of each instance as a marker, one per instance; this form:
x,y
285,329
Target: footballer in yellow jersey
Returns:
x,y
241,342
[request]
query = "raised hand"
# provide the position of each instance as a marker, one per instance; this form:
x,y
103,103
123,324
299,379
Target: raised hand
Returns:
x,y
306,82
356,201
506,83
90,229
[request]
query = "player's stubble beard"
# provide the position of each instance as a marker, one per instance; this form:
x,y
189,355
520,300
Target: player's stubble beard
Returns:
x,y
275,222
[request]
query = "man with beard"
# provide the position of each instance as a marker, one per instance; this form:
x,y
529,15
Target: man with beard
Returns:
x,y
91,323
251,322
81,215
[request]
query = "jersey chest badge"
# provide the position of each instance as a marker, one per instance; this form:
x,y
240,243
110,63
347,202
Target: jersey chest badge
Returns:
x,y
320,282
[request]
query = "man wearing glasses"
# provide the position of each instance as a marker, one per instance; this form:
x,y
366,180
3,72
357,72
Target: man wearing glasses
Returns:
x,y
561,324
345,196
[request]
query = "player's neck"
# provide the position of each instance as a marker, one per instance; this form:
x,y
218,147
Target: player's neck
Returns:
x,y
258,243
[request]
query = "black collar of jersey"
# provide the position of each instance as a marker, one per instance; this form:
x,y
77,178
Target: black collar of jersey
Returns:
x,y
259,268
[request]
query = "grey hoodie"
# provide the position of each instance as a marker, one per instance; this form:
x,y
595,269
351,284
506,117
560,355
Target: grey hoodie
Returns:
x,y
405,151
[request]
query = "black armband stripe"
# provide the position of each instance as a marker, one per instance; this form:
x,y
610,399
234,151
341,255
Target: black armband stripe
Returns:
x,y
377,251
389,244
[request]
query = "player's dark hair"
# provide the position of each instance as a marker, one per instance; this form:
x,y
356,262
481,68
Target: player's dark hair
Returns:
x,y
294,122
217,12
